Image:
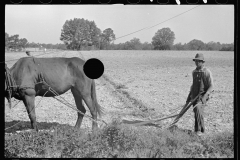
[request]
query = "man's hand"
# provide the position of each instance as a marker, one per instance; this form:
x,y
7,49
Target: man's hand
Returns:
x,y
205,98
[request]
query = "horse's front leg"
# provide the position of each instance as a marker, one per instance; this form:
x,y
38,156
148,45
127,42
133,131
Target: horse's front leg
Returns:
x,y
29,102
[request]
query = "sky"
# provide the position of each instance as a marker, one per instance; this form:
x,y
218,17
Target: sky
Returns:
x,y
43,23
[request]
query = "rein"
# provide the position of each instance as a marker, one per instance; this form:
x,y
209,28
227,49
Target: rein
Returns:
x,y
12,88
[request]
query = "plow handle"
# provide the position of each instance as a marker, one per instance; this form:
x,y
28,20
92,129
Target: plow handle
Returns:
x,y
185,108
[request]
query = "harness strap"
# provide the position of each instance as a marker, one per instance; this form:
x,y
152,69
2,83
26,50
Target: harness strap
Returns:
x,y
9,82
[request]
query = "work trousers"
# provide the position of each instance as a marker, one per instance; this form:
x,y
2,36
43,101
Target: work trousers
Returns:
x,y
198,114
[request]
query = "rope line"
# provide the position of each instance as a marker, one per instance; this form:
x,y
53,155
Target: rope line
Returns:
x,y
16,104
28,113
66,103
126,34
157,23
71,106
56,94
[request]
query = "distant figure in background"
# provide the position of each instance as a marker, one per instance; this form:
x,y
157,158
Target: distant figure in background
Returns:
x,y
28,53
202,83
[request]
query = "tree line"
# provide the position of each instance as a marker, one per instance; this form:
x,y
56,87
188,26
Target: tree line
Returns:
x,y
18,44
135,44
82,34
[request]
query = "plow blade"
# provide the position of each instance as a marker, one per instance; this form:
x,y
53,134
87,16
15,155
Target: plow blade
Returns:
x,y
150,122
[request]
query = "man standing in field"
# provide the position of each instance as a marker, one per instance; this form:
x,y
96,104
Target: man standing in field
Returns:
x,y
203,84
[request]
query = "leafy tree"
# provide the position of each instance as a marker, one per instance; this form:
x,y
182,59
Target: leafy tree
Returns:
x,y
22,43
50,46
227,47
196,45
136,44
163,39
213,46
210,46
119,46
185,46
133,44
94,34
231,47
6,39
178,46
60,46
32,45
128,46
106,37
79,32
147,46
13,41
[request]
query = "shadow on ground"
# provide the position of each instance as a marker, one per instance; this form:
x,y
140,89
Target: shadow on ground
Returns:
x,y
11,127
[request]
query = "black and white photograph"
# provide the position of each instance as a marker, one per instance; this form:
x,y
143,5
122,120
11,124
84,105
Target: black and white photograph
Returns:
x,y
119,81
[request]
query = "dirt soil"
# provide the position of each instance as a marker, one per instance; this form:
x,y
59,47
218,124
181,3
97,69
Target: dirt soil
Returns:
x,y
142,85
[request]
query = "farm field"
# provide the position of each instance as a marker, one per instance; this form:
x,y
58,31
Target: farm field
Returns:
x,y
160,81
140,85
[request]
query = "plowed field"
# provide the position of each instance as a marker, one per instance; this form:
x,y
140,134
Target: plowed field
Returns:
x,y
140,85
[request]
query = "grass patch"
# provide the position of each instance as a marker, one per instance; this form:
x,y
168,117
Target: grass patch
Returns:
x,y
117,141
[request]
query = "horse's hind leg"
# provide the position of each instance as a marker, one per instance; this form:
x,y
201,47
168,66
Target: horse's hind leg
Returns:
x,y
29,101
89,102
78,101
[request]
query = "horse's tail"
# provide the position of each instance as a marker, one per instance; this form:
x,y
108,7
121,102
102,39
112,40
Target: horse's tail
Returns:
x,y
94,98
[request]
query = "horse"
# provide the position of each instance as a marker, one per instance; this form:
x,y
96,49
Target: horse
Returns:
x,y
30,77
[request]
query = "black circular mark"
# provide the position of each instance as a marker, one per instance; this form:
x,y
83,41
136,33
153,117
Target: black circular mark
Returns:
x,y
93,68
45,1
16,1
104,1
75,1
221,1
163,1
192,1
133,1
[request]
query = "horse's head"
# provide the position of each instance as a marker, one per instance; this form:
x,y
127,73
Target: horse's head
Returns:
x,y
8,91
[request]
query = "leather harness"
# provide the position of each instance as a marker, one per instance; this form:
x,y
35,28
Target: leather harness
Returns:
x,y
13,88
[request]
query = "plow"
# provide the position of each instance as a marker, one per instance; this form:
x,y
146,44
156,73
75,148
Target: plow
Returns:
x,y
124,121
154,121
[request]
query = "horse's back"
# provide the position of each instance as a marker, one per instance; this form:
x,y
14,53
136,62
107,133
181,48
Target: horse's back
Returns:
x,y
59,72
46,63
55,61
